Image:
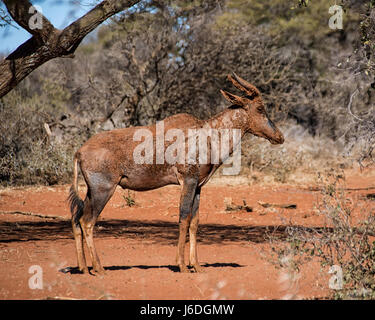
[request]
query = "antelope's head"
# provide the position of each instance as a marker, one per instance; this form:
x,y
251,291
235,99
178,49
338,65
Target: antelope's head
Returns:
x,y
258,122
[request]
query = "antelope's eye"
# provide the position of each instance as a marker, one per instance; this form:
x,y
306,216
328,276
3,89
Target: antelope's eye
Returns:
x,y
260,109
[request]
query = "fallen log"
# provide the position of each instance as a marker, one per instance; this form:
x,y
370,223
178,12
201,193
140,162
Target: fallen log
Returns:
x,y
275,205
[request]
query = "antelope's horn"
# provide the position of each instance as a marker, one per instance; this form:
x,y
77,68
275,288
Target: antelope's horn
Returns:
x,y
244,85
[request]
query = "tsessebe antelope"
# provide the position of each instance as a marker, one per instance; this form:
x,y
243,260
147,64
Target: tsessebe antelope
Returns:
x,y
107,160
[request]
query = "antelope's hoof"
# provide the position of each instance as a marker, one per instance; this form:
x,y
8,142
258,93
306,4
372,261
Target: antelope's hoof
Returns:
x,y
183,269
83,270
197,268
98,272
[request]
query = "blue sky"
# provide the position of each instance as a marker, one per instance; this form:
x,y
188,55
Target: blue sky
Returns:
x,y
60,13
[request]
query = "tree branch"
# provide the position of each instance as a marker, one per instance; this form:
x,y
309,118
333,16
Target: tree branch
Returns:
x,y
21,13
48,42
350,105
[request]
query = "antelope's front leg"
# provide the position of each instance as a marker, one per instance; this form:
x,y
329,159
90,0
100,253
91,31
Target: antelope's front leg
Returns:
x,y
193,228
186,205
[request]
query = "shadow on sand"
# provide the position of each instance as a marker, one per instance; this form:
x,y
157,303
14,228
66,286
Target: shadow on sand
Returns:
x,y
75,270
160,232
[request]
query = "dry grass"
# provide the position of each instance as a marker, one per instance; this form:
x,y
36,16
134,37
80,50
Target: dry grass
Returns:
x,y
296,161
344,244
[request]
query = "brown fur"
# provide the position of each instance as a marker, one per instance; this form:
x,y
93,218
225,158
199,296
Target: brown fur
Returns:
x,y
106,160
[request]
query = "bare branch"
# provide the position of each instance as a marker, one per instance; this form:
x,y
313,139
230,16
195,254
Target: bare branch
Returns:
x,y
73,34
350,105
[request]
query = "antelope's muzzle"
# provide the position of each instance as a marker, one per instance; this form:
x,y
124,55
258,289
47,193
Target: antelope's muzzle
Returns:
x,y
277,137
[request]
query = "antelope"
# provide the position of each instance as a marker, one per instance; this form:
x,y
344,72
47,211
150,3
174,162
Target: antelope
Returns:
x,y
106,160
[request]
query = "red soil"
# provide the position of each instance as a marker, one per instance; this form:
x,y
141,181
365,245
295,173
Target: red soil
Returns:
x,y
137,244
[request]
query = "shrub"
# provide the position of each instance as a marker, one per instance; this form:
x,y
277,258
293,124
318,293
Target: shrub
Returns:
x,y
28,154
346,241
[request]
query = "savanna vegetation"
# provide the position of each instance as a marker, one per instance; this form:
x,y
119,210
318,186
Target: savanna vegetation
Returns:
x,y
160,58
165,57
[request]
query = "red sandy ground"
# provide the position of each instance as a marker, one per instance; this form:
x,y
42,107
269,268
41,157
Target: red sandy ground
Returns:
x,y
137,244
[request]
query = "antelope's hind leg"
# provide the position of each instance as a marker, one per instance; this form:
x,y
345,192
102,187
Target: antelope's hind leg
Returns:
x,y
186,205
100,190
78,237
76,208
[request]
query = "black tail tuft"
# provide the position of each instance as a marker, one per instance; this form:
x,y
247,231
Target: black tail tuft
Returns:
x,y
76,205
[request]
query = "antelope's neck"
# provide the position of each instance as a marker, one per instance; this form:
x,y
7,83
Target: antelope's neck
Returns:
x,y
232,120
229,119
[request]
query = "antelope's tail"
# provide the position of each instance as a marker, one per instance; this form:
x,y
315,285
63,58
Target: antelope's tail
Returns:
x,y
75,202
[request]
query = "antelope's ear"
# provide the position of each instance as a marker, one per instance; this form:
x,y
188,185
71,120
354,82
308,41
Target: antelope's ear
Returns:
x,y
233,99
